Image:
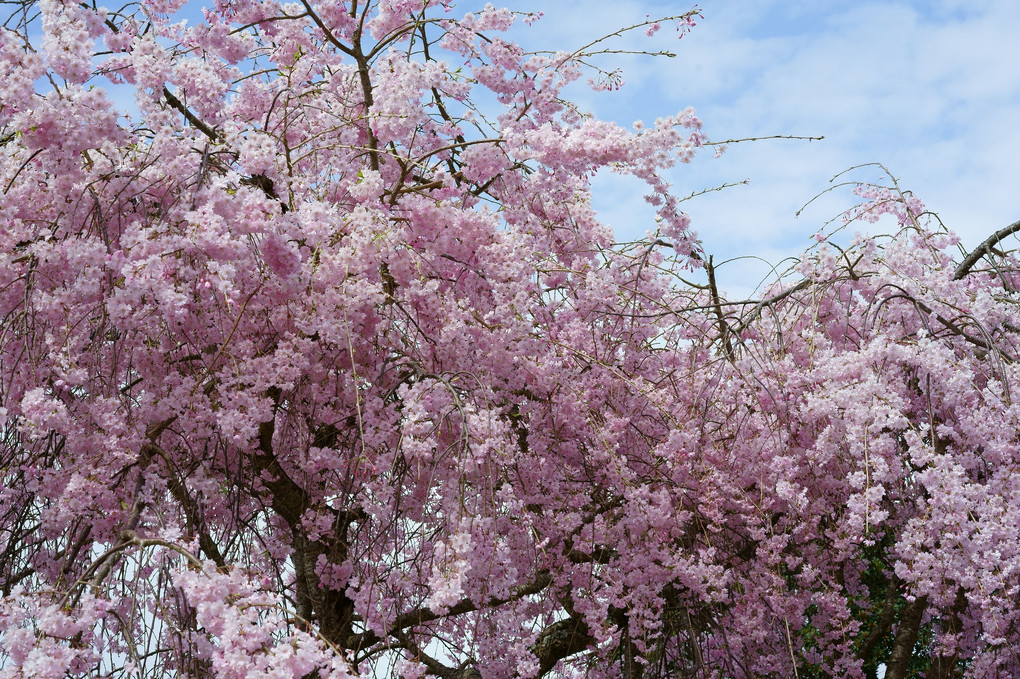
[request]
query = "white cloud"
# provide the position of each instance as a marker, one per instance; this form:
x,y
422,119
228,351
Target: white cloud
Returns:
x,y
929,89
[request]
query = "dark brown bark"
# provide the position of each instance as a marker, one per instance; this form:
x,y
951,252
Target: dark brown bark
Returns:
x,y
943,666
906,637
195,121
882,625
724,329
423,615
560,640
333,610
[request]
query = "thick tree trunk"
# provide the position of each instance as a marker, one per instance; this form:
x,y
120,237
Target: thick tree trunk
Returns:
x,y
882,625
943,666
558,641
906,637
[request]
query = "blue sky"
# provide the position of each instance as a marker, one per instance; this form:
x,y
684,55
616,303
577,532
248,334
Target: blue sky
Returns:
x,y
930,89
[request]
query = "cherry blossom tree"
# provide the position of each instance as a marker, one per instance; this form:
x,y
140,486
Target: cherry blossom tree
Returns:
x,y
318,363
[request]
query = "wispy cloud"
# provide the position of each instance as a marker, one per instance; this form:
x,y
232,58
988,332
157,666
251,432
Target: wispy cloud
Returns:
x,y
931,89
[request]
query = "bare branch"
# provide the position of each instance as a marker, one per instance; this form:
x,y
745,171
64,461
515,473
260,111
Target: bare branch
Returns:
x,y
191,117
984,249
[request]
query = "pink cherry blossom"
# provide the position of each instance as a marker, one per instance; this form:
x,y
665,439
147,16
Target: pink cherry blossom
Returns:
x,y
320,363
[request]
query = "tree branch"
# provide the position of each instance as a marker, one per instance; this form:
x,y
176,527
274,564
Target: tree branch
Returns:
x,y
724,329
943,666
191,117
882,625
906,638
560,640
984,249
423,615
192,512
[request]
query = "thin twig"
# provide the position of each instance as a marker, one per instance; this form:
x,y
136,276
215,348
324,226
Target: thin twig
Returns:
x,y
771,136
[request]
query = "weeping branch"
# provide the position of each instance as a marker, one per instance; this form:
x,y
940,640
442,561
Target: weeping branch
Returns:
x,y
986,248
